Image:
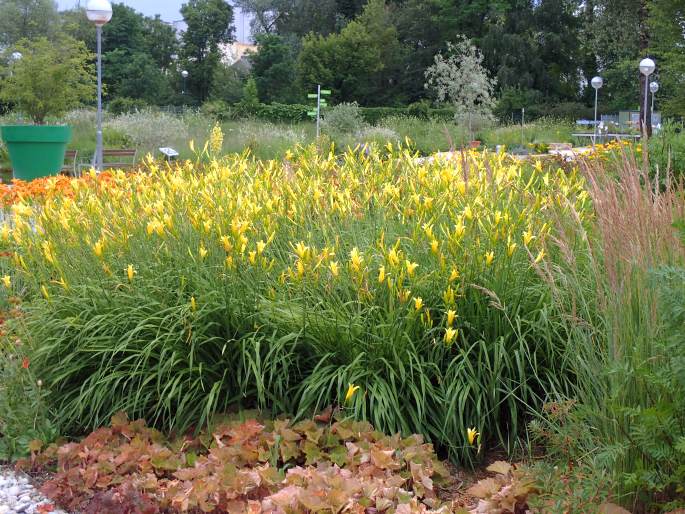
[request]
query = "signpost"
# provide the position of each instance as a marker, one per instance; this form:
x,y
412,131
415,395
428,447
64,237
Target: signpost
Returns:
x,y
320,102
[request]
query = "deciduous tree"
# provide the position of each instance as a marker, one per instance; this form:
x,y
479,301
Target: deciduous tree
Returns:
x,y
209,25
27,19
52,77
667,26
273,68
459,78
343,62
362,63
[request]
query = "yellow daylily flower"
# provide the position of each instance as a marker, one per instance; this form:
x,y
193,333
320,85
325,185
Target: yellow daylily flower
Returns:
x,y
540,256
511,248
130,272
459,229
381,275
47,252
98,248
489,258
334,267
411,267
155,226
471,435
418,303
356,260
226,242
7,281
351,389
302,250
393,258
451,316
404,295
450,335
448,296
527,237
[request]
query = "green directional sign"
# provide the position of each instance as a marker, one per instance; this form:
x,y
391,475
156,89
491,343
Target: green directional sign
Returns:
x,y
320,103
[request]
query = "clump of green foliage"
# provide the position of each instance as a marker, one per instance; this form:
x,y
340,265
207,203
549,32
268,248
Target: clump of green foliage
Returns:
x,y
345,118
667,152
24,414
23,411
51,78
447,321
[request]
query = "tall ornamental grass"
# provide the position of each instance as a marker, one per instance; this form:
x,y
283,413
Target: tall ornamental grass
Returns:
x,y
180,292
619,293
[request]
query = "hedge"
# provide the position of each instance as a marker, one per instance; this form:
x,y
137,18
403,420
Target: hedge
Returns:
x,y
292,113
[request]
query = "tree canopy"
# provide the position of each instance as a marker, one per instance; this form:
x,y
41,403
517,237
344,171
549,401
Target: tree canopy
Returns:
x,y
51,77
377,52
27,19
209,25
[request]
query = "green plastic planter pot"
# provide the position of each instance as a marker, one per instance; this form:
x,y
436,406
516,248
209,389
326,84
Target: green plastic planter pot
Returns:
x,y
36,150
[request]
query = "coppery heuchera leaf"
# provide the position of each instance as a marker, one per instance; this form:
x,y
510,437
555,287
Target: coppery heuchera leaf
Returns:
x,y
500,467
348,467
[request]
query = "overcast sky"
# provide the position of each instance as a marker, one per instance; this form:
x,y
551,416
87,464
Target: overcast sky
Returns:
x,y
168,9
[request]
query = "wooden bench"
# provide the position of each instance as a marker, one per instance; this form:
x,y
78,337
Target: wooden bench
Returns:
x,y
113,159
125,159
70,163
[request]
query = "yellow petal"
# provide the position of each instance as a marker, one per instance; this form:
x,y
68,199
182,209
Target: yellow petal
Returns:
x,y
351,389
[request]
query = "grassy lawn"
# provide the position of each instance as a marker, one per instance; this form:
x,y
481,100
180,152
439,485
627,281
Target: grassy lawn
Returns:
x,y
147,132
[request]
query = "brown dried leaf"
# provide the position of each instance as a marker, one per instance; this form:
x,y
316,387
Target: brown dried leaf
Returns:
x,y
501,467
484,488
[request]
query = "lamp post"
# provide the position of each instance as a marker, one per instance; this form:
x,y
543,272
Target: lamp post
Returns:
x,y
99,12
597,83
653,87
647,67
184,74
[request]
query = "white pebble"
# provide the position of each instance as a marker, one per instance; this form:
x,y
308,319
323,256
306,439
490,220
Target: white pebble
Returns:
x,y
18,496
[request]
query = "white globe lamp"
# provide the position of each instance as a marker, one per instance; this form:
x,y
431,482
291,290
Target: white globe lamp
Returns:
x,y
99,11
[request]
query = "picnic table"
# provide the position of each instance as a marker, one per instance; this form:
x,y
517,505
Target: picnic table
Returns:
x,y
603,136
